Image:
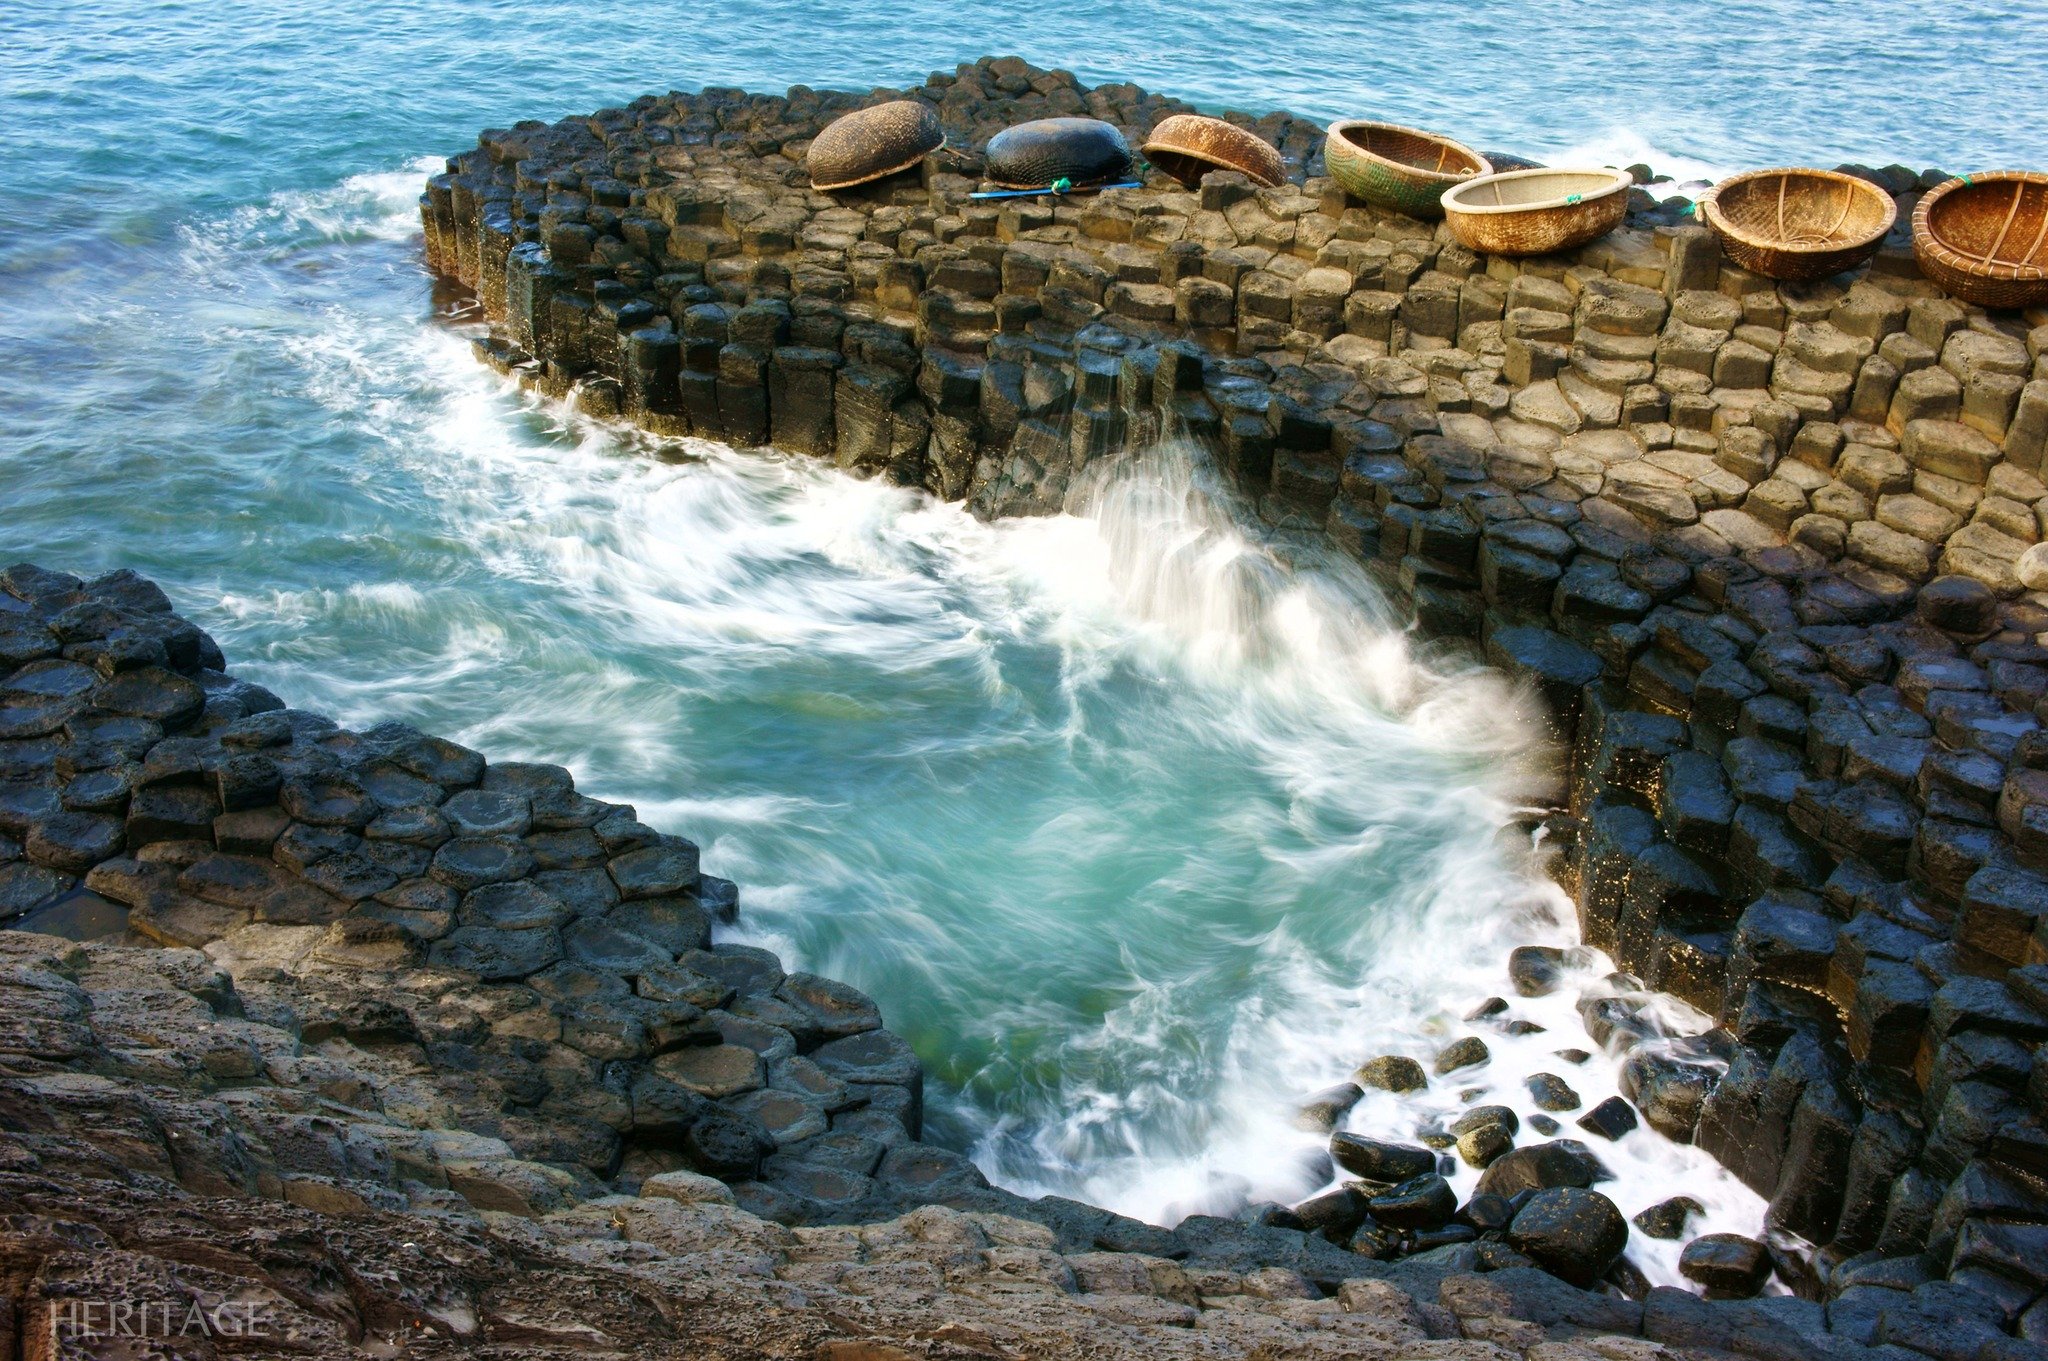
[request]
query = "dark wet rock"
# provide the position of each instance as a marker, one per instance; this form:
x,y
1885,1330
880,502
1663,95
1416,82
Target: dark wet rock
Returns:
x,y
1610,1119
1574,1233
467,863
1392,1073
487,813
1487,1010
1551,1092
725,1144
878,1057
831,1010
1959,605
1536,1167
656,871
512,907
1537,969
1469,1052
1424,1202
73,842
746,969
1486,1212
1671,1094
1336,1215
151,692
328,800
1726,1266
1667,1219
603,945
1377,1160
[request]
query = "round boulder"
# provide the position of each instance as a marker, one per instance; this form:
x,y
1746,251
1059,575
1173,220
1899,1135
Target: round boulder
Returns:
x,y
1572,1233
1469,1052
2032,568
1727,1265
1538,1167
1392,1073
1960,605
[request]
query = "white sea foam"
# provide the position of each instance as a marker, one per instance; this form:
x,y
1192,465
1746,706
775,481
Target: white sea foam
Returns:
x,y
1143,823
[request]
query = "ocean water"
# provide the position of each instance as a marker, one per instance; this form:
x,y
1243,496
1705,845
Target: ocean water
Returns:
x,y
1140,826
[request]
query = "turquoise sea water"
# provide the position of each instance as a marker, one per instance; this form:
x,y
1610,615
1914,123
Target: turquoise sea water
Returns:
x,y
1137,829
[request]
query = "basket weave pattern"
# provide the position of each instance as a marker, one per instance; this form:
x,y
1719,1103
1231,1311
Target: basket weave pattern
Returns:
x,y
1984,238
1798,224
1537,212
871,143
1188,146
1404,169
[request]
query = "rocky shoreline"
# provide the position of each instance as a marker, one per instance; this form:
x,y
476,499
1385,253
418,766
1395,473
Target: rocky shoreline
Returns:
x,y
332,1043
1769,553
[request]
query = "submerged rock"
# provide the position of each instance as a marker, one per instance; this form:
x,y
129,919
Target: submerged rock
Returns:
x,y
1667,1218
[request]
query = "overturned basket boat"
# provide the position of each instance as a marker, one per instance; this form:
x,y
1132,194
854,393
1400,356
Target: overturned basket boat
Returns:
x,y
1796,224
1984,237
1403,169
870,144
1537,212
1188,146
1081,151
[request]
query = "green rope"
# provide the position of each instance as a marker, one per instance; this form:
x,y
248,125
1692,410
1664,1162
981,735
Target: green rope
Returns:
x,y
1062,185
1967,181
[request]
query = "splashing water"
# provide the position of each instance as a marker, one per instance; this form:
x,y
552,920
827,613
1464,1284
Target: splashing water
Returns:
x,y
1142,822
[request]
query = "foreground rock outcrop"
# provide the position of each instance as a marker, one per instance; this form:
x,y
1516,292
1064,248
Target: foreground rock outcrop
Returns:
x,y
1772,553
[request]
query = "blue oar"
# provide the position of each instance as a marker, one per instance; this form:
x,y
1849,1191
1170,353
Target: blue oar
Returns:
x,y
1059,186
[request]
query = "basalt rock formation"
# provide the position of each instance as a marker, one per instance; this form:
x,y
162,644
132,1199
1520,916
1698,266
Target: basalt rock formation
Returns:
x,y
326,1043
1772,554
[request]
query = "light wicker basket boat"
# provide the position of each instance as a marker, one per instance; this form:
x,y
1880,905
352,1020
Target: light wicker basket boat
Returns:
x,y
1797,224
1984,237
1404,169
1188,146
1537,212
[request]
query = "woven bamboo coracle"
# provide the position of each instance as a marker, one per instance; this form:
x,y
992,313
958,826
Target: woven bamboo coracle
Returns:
x,y
1188,146
1536,212
1081,151
1984,237
869,144
1404,169
1798,224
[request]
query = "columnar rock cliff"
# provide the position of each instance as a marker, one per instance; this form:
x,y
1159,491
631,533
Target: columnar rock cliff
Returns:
x,y
1768,551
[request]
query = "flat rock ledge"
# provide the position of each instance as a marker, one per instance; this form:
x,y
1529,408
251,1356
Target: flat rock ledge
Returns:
x,y
1771,553
358,1044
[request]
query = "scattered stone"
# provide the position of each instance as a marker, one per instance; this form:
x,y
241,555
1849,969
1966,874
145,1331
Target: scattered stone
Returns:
x,y
1610,1119
1379,1161
1726,1265
1392,1073
1572,1233
1667,1218
1468,1052
1551,1093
